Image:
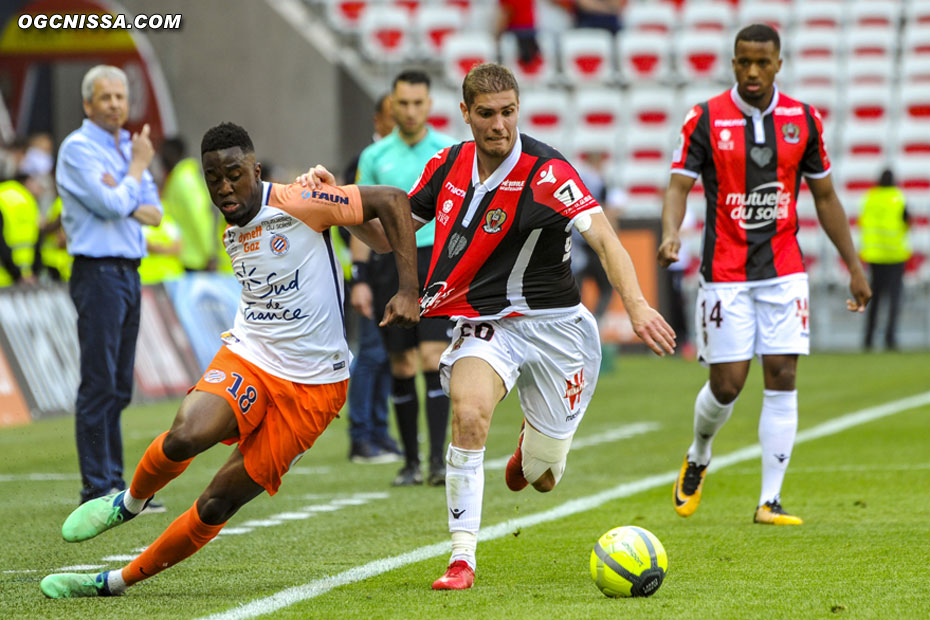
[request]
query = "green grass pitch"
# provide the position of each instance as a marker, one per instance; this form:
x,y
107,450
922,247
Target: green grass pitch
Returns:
x,y
863,492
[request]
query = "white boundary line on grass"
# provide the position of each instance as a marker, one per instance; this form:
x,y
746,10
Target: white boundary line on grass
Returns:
x,y
290,596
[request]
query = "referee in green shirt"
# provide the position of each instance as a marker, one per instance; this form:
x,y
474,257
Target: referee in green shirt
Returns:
x,y
398,159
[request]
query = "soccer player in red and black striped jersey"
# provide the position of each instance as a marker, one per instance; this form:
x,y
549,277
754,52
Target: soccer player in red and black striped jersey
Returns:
x,y
751,145
504,206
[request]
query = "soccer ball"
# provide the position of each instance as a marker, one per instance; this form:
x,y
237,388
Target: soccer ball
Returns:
x,y
628,561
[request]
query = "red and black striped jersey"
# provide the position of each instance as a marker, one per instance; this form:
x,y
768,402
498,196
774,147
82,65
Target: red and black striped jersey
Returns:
x,y
502,247
751,163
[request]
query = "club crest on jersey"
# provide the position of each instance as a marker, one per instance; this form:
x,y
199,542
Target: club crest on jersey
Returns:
x,y
214,376
493,221
447,206
791,133
279,245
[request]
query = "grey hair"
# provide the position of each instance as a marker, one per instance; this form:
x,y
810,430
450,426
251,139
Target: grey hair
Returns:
x,y
101,72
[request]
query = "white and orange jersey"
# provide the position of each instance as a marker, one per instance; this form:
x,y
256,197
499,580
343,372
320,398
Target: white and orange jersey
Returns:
x,y
290,320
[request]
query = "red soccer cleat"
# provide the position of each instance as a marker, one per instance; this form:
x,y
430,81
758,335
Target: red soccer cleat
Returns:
x,y
513,475
459,576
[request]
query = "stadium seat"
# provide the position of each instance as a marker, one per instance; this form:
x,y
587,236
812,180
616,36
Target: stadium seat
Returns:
x,y
912,139
914,102
585,142
644,57
651,17
411,7
692,95
917,13
707,17
856,176
819,15
598,109
702,56
384,34
877,72
915,69
868,104
912,175
346,15
587,56
445,115
775,14
916,40
824,98
806,44
873,14
815,72
537,72
868,43
651,107
464,50
865,140
644,184
434,24
647,145
545,115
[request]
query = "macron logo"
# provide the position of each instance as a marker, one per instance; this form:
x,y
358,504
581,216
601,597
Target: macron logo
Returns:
x,y
457,513
454,190
546,176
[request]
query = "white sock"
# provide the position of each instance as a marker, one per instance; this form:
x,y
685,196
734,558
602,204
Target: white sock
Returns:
x,y
132,504
464,492
115,582
463,547
709,416
778,426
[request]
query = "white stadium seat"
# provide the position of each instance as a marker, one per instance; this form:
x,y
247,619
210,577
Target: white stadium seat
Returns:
x,y
434,24
873,14
819,15
702,56
866,140
587,56
868,43
385,35
540,70
652,17
914,102
871,71
707,17
912,139
464,50
806,44
346,15
775,14
868,104
644,57
598,109
545,115
651,107
445,115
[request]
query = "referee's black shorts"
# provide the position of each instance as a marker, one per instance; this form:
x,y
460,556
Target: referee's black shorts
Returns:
x,y
382,275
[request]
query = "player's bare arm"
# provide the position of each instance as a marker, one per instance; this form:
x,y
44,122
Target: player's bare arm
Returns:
x,y
647,323
673,213
833,219
391,207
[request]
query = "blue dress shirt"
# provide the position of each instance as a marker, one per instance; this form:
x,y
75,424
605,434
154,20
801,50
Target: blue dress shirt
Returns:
x,y
96,217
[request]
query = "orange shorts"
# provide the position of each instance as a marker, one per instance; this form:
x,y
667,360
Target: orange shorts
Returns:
x,y
278,419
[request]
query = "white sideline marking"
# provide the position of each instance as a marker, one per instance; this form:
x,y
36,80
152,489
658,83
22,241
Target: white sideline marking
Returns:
x,y
37,477
616,434
290,596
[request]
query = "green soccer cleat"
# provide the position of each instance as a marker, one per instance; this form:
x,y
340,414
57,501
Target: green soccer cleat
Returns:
x,y
95,517
73,585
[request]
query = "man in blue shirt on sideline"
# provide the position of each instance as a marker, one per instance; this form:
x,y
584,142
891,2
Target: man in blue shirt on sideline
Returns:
x,y
398,160
107,195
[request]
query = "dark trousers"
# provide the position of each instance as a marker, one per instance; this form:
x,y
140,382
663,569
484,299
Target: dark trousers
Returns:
x,y
370,386
887,282
107,296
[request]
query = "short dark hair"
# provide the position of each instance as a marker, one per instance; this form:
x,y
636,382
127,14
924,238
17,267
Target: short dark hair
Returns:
x,y
411,76
379,102
487,79
226,136
759,33
886,179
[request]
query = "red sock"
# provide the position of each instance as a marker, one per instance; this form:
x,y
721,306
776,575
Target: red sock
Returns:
x,y
155,470
183,537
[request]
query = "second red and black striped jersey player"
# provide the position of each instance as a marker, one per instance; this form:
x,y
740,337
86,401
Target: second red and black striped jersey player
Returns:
x,y
502,247
751,162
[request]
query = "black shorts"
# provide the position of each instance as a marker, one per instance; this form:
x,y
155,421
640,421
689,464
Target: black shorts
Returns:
x,y
382,275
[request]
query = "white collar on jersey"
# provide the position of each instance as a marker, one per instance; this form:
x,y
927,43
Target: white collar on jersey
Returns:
x,y
755,113
502,171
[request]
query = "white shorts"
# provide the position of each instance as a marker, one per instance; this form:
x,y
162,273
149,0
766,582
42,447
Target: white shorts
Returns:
x,y
553,360
734,322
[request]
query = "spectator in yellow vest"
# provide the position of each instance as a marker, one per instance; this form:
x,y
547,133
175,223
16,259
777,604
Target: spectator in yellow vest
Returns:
x,y
52,248
165,252
19,223
884,224
184,197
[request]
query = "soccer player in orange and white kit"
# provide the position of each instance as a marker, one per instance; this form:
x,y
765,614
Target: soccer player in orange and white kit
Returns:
x,y
281,377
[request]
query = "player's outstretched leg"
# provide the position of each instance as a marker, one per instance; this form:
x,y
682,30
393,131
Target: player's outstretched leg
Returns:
x,y
73,585
513,474
772,513
688,486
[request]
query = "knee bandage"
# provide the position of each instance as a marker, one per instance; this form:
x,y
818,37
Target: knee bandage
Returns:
x,y
542,453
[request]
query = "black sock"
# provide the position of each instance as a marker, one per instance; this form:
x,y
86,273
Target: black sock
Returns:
x,y
437,416
407,408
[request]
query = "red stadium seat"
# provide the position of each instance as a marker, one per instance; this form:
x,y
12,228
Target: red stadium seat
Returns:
x,y
652,108
462,51
869,43
912,175
648,145
912,139
817,15
873,14
644,184
587,56
865,140
914,102
649,17
868,104
384,34
713,17
917,13
346,15
644,56
434,24
775,14
445,115
545,115
535,72
877,72
816,72
702,56
915,69
805,44
916,40
598,109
